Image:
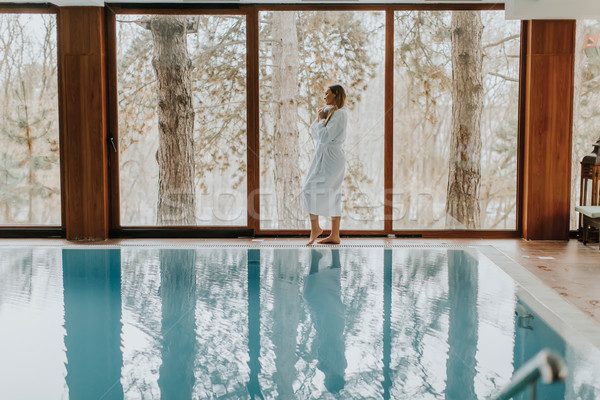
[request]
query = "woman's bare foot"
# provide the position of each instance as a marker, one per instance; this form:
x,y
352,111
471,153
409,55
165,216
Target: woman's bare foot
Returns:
x,y
314,235
330,240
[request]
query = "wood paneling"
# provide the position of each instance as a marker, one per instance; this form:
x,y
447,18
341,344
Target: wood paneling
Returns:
x,y
521,129
112,116
548,126
14,8
83,136
551,37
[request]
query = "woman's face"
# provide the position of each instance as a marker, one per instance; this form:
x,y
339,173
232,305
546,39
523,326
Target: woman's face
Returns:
x,y
329,96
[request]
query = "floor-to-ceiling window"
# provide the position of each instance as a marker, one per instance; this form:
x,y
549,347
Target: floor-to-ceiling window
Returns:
x,y
456,97
181,84
586,105
186,105
301,53
30,192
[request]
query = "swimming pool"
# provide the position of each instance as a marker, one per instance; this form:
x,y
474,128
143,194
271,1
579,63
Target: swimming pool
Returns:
x,y
238,322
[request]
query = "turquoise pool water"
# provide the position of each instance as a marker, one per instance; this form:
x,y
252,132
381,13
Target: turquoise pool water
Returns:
x,y
267,322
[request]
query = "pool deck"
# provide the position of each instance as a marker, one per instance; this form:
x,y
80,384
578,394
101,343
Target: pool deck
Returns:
x,y
568,267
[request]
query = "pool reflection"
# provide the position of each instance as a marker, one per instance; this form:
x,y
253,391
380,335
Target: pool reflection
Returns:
x,y
178,324
461,367
282,323
92,301
254,323
322,293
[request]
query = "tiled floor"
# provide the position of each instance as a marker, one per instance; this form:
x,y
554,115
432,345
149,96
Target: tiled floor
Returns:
x,y
570,268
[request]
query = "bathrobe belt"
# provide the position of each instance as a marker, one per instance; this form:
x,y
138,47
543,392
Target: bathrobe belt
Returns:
x,y
320,148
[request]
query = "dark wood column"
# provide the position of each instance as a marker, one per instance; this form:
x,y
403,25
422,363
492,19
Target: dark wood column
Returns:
x,y
83,122
547,129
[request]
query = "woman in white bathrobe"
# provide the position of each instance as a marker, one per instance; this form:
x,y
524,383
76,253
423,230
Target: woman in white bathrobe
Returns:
x,y
322,190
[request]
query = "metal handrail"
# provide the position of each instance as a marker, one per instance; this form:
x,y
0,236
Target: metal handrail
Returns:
x,y
545,364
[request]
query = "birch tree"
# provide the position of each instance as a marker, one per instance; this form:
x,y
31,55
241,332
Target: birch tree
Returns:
x,y
285,115
329,47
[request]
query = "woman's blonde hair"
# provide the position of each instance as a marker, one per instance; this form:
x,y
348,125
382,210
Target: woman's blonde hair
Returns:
x,y
339,99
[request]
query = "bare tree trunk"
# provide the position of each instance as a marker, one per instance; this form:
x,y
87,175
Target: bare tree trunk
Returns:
x,y
7,36
462,201
285,109
29,159
176,165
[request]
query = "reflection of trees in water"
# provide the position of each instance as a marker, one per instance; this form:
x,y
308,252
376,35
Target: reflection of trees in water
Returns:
x,y
178,295
141,311
419,306
420,336
202,294
281,327
463,325
361,293
16,273
285,330
141,282
19,268
359,284
286,315
222,319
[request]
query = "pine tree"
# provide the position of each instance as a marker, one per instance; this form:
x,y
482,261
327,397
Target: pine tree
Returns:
x,y
464,175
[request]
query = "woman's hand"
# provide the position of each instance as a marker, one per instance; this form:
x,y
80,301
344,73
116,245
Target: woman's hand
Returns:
x,y
322,114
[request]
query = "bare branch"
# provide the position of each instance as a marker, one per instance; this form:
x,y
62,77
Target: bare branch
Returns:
x,y
506,39
507,78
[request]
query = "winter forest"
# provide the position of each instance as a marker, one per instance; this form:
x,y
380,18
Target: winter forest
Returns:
x,y
190,72
29,145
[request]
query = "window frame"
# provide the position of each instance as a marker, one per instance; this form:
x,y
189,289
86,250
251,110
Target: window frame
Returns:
x,y
252,227
33,230
133,231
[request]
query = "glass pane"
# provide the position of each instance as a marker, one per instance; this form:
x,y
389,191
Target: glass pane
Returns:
x,y
455,161
301,53
29,155
182,119
586,106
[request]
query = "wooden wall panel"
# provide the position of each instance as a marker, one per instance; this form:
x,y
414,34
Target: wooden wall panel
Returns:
x,y
551,37
253,157
548,127
83,136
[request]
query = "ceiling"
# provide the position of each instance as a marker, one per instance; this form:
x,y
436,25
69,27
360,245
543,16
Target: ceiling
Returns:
x,y
515,9
190,2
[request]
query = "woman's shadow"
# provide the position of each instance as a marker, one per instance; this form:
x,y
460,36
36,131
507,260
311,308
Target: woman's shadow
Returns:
x,y
322,292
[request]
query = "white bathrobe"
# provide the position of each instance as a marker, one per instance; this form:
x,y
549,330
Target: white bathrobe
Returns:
x,y
322,190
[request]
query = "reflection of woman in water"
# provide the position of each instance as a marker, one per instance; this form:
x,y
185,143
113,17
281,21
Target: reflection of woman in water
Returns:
x,y
322,190
322,292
